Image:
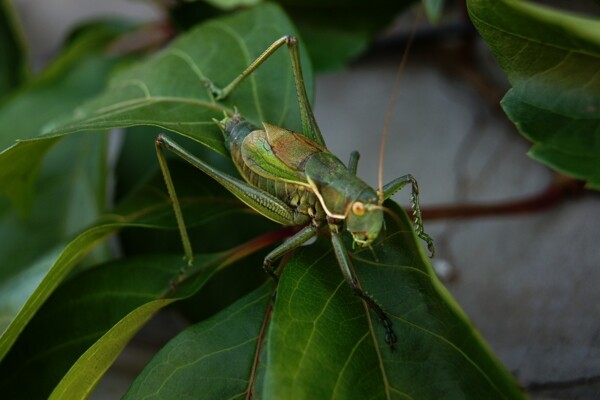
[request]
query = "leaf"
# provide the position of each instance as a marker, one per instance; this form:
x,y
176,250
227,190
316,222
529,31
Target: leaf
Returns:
x,y
78,73
552,60
84,374
333,42
19,167
146,207
68,198
47,279
210,360
91,318
70,195
54,218
321,334
322,343
13,57
217,50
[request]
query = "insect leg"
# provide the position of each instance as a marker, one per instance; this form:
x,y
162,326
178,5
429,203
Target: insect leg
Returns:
x,y
290,244
187,247
344,261
397,184
353,162
309,123
263,202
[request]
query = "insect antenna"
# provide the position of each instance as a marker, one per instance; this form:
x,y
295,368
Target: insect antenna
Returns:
x,y
392,102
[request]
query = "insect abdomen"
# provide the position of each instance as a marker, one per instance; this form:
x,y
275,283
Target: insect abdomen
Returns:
x,y
286,187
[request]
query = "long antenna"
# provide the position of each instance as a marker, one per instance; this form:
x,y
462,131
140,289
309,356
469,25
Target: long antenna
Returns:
x,y
392,102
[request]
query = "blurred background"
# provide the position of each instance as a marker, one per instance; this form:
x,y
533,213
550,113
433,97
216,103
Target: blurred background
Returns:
x,y
525,267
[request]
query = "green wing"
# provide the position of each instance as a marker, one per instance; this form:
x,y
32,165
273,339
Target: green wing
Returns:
x,y
278,154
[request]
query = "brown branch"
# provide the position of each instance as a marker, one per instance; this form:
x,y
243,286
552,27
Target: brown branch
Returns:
x,y
560,189
585,381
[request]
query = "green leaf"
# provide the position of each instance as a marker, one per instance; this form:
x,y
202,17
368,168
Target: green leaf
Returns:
x,y
84,374
209,360
48,275
19,168
321,342
146,207
68,199
552,60
78,73
90,318
13,57
333,42
70,195
217,50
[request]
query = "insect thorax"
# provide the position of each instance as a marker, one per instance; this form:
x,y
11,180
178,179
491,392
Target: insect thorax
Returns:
x,y
306,176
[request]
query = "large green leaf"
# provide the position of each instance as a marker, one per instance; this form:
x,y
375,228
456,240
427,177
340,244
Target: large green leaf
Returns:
x,y
552,59
321,342
90,318
68,199
24,294
71,193
78,73
169,90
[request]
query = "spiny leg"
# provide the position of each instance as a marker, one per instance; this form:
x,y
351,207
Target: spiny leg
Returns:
x,y
263,202
342,257
309,123
397,184
288,245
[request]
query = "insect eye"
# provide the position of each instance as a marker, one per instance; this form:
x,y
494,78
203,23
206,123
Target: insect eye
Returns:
x,y
358,208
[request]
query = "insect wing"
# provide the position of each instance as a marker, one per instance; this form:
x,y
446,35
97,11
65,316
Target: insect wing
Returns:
x,y
278,154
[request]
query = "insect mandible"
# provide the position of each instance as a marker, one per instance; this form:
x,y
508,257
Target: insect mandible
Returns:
x,y
294,180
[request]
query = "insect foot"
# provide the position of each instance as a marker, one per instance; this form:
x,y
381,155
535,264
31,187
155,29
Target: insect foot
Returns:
x,y
390,336
268,267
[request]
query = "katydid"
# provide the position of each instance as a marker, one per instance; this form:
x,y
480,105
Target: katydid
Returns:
x,y
295,180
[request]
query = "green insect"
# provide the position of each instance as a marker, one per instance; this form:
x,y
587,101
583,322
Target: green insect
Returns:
x,y
295,180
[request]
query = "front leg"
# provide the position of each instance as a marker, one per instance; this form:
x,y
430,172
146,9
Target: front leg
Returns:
x,y
397,184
